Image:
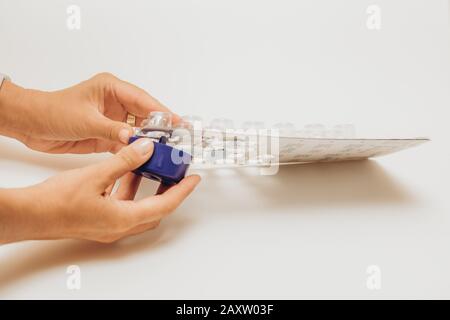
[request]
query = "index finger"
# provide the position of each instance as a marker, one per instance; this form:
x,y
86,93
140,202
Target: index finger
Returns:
x,y
137,101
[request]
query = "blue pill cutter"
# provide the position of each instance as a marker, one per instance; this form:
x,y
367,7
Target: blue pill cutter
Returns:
x,y
167,165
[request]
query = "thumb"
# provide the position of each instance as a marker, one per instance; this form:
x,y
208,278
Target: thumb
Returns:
x,y
112,130
126,160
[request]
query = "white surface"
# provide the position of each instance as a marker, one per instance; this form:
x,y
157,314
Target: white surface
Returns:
x,y
310,231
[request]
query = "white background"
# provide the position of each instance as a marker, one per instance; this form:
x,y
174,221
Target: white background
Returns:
x,y
310,231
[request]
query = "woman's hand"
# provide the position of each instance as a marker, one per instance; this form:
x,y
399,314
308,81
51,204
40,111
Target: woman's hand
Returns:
x,y
79,204
88,117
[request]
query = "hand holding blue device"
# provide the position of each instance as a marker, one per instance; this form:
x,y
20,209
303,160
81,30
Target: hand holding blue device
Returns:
x,y
167,165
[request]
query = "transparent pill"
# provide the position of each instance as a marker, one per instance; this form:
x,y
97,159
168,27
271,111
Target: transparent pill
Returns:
x,y
158,119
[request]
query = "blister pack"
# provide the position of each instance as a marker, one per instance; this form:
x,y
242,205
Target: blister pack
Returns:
x,y
220,144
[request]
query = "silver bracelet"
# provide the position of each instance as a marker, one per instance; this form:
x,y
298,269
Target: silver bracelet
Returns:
x,y
3,78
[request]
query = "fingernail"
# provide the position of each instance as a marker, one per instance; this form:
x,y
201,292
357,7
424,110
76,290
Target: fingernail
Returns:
x,y
143,146
124,135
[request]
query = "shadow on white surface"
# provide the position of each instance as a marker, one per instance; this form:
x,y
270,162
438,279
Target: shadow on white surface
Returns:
x,y
298,187
34,257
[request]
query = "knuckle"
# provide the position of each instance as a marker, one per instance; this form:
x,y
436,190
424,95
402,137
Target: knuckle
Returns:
x,y
111,133
128,157
105,76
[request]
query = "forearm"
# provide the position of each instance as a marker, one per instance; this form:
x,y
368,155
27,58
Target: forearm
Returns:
x,y
19,110
18,217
